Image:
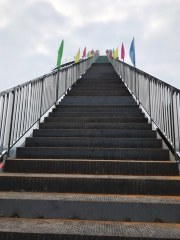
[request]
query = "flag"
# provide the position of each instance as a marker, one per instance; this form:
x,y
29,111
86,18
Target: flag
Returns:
x,y
60,52
106,52
122,52
115,55
77,57
87,55
111,54
84,53
132,53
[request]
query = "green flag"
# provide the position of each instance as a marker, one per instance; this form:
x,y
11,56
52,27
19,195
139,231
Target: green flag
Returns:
x,y
60,52
113,51
87,55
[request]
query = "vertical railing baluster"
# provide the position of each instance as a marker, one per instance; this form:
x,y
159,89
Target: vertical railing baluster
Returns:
x,y
10,129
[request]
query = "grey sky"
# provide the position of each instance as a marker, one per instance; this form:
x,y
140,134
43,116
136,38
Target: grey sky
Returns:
x,y
31,32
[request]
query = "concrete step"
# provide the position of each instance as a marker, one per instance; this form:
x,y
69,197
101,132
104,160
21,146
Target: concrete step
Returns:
x,y
99,91
44,229
103,133
95,167
98,110
103,79
135,208
94,125
99,85
99,94
97,98
94,99
83,87
92,153
98,106
91,184
97,119
90,142
97,114
109,92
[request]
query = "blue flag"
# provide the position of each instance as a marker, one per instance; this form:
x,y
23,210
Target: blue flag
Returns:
x,y
132,53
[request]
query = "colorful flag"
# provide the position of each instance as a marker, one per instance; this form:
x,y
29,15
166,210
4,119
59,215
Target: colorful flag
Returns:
x,y
87,55
84,53
77,56
115,55
132,53
122,52
111,54
107,52
60,52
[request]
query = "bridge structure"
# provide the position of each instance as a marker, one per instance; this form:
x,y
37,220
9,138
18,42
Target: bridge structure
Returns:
x,y
103,162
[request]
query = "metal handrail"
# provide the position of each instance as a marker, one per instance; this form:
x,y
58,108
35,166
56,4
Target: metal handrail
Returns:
x,y
22,106
160,100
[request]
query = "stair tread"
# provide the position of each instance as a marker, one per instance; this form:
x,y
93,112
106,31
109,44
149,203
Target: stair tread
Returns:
x,y
117,198
91,228
93,152
100,148
88,176
93,142
93,160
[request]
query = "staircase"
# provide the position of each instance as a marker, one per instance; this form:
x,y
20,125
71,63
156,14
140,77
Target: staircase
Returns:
x,y
93,170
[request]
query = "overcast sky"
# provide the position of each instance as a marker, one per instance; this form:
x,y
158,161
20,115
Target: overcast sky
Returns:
x,y
31,32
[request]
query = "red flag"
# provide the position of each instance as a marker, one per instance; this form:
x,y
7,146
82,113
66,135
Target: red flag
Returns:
x,y
110,53
84,53
122,52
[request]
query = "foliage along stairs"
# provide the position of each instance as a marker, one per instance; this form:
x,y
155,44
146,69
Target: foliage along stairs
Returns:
x,y
93,170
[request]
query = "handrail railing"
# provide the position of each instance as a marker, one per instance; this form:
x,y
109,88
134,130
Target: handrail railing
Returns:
x,y
22,106
160,100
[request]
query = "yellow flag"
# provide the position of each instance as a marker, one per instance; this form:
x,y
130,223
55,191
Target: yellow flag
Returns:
x,y
115,55
77,56
89,53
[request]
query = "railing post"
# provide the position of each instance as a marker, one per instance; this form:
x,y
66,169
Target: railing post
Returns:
x,y
175,127
57,87
42,90
10,129
173,122
150,101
